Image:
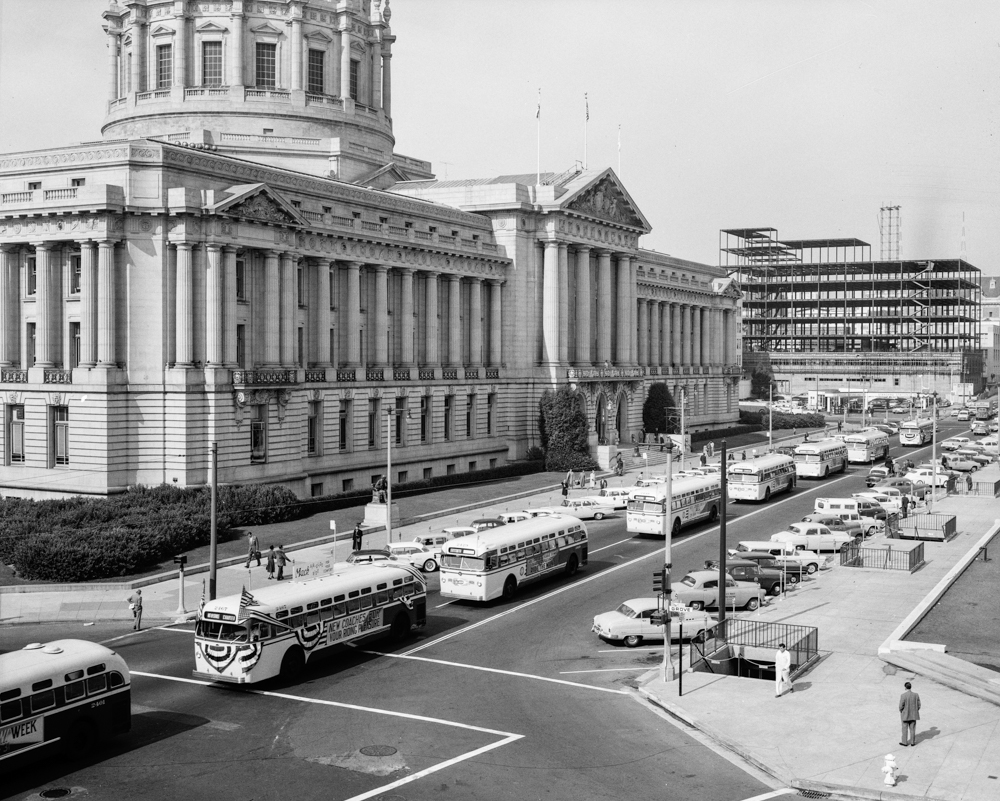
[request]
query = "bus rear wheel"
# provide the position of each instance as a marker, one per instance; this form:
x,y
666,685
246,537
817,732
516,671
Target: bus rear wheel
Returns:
x,y
509,588
80,740
713,515
572,565
292,663
400,628
767,494
676,529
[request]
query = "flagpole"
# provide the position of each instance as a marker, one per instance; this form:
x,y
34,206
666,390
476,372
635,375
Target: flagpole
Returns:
x,y
619,150
538,143
586,121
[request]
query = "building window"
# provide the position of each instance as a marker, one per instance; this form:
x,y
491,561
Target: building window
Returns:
x,y
401,476
60,434
400,422
302,347
347,485
428,473
164,66
15,434
317,60
266,73
354,79
470,417
29,341
78,182
373,423
31,277
493,464
74,345
425,416
258,433
74,274
300,287
33,185
241,279
343,426
314,428
449,469
241,346
211,64
316,490
472,467
491,414
449,402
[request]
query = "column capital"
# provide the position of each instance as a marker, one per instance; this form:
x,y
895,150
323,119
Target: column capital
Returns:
x,y
405,270
551,243
230,249
583,248
43,245
380,268
475,279
214,246
181,245
454,277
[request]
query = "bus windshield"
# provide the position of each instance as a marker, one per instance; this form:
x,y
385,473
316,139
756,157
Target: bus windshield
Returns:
x,y
475,563
226,632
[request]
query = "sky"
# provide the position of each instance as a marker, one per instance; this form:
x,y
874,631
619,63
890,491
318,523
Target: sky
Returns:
x,y
802,116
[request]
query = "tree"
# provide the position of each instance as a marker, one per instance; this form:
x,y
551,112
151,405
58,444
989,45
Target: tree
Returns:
x,y
565,426
659,415
761,384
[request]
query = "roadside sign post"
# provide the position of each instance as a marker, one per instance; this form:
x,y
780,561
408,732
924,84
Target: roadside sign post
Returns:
x,y
180,562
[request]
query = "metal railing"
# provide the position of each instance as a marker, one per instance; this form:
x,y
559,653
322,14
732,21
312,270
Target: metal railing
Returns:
x,y
315,375
263,377
802,642
425,374
890,558
927,526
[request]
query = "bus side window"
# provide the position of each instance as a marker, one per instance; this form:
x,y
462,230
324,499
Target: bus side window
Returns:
x,y
353,605
326,613
313,618
339,609
297,622
367,601
116,679
10,710
505,560
492,561
74,691
381,597
42,700
519,555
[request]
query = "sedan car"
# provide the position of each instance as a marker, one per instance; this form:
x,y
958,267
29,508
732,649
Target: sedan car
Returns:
x,y
851,526
886,428
586,508
950,445
699,589
875,475
783,553
961,463
616,496
420,556
630,623
926,476
793,571
973,453
917,489
367,557
891,503
814,536
963,415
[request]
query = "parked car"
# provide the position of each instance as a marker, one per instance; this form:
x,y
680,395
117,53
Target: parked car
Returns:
x,y
420,556
630,623
885,428
963,464
513,517
891,504
899,410
486,523
975,454
980,427
618,496
699,589
453,532
586,508
786,450
784,552
431,540
950,445
875,475
963,415
926,476
851,526
770,580
813,536
794,571
367,557
913,487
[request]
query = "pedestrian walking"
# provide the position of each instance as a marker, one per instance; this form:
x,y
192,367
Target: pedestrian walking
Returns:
x,y
909,714
782,671
604,483
732,456
270,562
968,483
704,459
565,490
592,481
135,605
743,458
253,549
281,559
356,538
661,443
905,502
840,426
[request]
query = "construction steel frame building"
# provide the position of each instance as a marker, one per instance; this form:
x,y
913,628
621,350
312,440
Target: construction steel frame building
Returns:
x,y
832,318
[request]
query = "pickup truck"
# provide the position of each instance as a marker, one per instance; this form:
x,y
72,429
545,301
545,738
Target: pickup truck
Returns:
x,y
770,581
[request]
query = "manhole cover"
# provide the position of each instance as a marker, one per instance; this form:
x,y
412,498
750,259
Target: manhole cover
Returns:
x,y
55,792
378,750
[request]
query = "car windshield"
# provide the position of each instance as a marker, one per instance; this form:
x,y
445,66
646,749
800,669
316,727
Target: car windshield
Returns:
x,y
689,581
626,610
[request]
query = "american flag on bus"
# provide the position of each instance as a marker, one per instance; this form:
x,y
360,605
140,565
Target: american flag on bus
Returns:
x,y
246,599
201,606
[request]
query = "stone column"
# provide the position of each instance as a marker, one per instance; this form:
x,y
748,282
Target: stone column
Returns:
x,y
696,340
229,306
272,310
717,339
654,334
236,49
324,314
665,339
706,336
685,314
476,323
289,308
496,329
387,83
381,316
633,287
376,98
9,301
296,55
454,321
583,355
431,331
406,328
604,310
550,304
727,341
353,316
138,62
180,56
112,64
643,335
88,303
43,315
622,354
563,303
345,65
214,310
676,333
106,353
184,356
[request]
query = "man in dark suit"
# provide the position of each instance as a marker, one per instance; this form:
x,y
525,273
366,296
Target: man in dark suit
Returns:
x,y
909,713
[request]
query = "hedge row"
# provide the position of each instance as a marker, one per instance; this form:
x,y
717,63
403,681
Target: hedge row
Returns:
x,y
721,433
782,419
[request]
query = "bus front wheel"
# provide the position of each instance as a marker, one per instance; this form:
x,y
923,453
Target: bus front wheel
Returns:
x,y
509,588
400,626
80,740
572,565
292,663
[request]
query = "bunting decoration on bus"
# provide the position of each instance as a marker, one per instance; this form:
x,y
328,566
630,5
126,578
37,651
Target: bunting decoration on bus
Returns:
x,y
246,599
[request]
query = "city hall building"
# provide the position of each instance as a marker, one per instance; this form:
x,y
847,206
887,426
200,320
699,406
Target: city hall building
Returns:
x,y
245,260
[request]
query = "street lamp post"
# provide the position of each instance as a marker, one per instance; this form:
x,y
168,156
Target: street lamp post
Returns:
x,y
770,413
388,473
934,461
667,669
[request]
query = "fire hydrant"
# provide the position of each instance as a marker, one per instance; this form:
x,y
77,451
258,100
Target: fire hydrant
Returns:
x,y
889,769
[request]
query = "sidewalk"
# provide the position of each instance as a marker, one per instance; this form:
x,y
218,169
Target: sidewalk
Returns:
x,y
832,734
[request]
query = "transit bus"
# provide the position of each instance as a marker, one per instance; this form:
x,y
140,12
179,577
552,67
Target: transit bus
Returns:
x,y
869,445
244,639
65,696
820,459
916,432
494,563
692,498
758,479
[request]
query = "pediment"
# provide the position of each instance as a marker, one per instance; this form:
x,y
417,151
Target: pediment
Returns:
x,y
318,36
266,29
258,203
604,198
728,288
357,46
162,30
211,27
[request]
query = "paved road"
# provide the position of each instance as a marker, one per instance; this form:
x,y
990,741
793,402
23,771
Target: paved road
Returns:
x,y
501,701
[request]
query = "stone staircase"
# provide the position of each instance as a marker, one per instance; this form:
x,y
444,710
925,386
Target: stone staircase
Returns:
x,y
950,671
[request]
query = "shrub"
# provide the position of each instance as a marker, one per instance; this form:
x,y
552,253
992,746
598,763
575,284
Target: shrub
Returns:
x,y
722,433
565,426
658,412
535,454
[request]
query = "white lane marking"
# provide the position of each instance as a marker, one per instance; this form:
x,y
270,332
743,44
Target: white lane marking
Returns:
x,y
171,628
613,544
633,650
121,637
502,672
602,670
507,737
775,794
607,572
444,604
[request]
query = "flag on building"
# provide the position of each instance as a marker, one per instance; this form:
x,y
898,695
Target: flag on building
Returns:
x,y
586,104
246,599
538,111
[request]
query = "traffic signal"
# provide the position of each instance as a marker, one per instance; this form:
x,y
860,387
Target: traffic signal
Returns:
x,y
660,581
658,618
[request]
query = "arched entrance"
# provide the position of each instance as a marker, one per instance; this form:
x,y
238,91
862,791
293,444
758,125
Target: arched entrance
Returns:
x,y
601,420
621,418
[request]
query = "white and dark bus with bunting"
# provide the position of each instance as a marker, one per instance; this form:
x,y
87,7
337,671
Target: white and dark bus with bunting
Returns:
x,y
693,498
820,459
867,446
758,479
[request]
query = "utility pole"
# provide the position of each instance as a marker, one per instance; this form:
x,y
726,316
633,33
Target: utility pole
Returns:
x,y
722,546
934,461
683,428
213,549
667,671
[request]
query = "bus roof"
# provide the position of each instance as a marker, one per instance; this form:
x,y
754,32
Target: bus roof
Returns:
x,y
514,533
821,445
920,422
760,463
345,578
868,435
677,486
37,660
